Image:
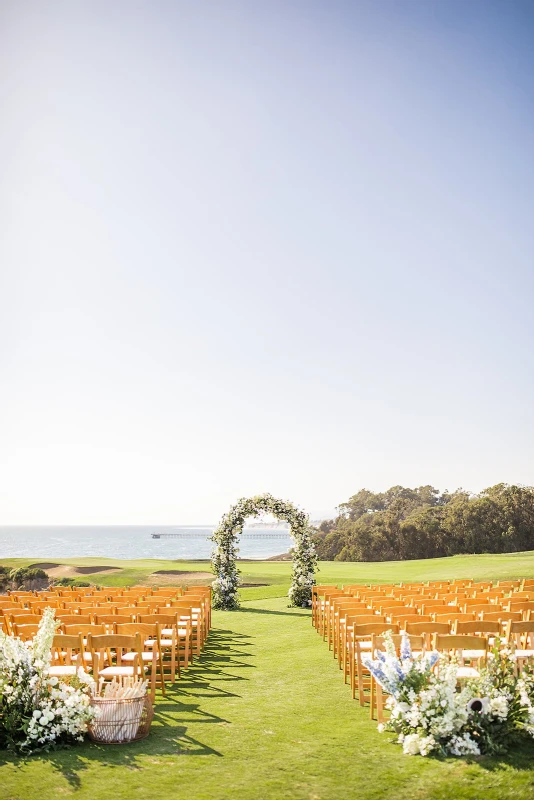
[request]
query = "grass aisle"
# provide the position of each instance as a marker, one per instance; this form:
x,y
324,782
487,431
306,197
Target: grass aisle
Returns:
x,y
263,715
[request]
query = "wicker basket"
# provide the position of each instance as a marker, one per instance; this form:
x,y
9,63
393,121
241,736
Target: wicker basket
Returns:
x,y
120,721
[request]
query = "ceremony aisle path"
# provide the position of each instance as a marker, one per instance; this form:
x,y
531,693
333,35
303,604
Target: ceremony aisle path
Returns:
x,y
263,715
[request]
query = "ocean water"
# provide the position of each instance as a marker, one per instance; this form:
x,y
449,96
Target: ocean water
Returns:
x,y
130,542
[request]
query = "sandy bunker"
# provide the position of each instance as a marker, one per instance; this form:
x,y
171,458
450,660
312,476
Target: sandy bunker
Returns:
x,y
71,571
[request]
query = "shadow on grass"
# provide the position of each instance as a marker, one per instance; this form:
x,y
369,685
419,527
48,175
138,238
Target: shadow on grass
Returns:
x,y
174,714
519,757
302,613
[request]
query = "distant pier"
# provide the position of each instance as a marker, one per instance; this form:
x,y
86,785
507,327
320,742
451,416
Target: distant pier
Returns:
x,y
282,535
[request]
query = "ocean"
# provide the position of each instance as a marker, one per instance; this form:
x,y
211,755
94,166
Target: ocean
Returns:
x,y
127,542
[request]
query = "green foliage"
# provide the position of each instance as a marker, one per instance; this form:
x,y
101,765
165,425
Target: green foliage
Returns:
x,y
71,582
402,524
23,578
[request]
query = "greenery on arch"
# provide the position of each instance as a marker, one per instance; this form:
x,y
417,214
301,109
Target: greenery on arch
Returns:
x,y
225,538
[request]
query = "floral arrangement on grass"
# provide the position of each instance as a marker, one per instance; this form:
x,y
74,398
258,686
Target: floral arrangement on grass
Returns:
x,y
225,551
432,713
39,711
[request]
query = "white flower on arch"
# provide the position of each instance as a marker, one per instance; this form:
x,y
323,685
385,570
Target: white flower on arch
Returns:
x,y
223,560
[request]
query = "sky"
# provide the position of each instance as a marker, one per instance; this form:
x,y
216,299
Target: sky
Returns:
x,y
252,247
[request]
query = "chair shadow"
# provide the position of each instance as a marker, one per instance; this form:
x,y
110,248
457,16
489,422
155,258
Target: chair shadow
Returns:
x,y
173,715
305,612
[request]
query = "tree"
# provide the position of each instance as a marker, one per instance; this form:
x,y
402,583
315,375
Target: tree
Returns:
x,y
404,523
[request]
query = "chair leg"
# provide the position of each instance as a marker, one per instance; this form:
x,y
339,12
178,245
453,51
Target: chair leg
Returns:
x,y
361,695
153,681
161,672
173,665
379,704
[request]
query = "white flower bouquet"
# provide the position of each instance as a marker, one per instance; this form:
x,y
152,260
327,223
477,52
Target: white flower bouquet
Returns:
x,y
432,713
38,711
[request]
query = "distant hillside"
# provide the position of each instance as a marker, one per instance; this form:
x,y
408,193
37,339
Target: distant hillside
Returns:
x,y
403,523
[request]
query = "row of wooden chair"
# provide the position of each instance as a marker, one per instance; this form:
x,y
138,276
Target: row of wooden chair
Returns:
x,y
194,604
351,624
328,604
94,591
151,635
440,592
133,650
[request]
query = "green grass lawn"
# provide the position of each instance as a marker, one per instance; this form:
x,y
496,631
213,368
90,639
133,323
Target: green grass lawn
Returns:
x,y
275,575
264,715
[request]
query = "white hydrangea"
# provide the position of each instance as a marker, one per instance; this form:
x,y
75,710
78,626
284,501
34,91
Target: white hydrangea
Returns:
x,y
48,709
463,745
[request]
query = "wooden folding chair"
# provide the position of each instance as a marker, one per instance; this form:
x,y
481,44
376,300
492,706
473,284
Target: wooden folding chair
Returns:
x,y
434,607
110,649
318,593
323,609
521,636
478,627
171,637
390,611
204,592
463,646
526,607
128,611
480,608
427,629
502,617
151,651
189,610
455,598
403,619
74,619
361,633
37,606
12,608
84,630
66,655
110,621
345,608
452,617
346,650
20,615
24,631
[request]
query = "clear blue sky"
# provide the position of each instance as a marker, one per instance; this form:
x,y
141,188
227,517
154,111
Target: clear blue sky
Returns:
x,y
262,246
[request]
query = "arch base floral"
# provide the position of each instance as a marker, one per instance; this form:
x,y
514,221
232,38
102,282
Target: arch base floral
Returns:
x,y
225,538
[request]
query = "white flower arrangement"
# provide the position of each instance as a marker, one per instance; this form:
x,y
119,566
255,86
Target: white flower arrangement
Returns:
x,y
431,713
226,584
36,710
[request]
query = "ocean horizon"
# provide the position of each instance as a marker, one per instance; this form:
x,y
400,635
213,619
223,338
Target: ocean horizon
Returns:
x,y
132,542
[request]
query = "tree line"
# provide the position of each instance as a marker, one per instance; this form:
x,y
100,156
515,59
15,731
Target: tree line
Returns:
x,y
402,524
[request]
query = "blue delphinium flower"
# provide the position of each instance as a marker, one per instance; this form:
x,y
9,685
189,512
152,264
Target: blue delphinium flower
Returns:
x,y
405,648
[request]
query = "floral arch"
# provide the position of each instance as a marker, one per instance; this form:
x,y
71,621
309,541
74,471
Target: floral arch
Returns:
x,y
225,538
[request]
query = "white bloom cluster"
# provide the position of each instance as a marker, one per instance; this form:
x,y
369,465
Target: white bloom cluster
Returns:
x,y
414,744
36,709
63,710
435,714
498,706
432,712
463,745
